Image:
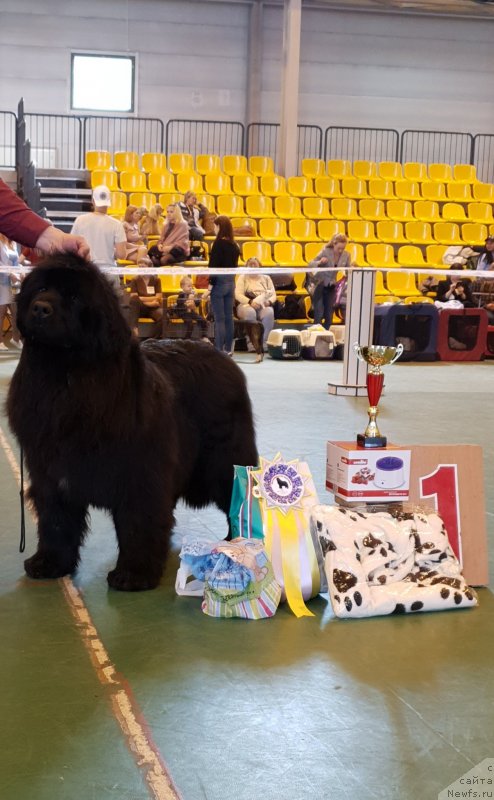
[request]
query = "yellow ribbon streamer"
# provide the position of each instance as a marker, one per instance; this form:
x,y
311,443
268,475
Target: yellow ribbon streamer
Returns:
x,y
286,527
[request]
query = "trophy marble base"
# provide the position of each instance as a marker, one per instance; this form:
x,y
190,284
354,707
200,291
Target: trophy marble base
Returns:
x,y
371,441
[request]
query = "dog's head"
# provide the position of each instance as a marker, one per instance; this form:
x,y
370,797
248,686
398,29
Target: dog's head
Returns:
x,y
66,303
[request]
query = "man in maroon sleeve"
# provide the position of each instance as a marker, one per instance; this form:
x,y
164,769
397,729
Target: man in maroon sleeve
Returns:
x,y
22,225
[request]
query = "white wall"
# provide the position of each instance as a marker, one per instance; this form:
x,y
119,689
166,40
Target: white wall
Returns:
x,y
362,69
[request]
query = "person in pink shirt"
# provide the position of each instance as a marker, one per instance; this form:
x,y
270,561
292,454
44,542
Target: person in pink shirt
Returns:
x,y
174,245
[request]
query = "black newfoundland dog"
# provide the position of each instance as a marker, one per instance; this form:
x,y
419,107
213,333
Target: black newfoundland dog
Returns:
x,y
106,422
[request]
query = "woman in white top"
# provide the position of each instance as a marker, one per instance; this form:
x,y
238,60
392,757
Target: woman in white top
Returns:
x,y
8,257
135,247
256,295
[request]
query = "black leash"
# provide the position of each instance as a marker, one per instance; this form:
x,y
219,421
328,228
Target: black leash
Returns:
x,y
22,545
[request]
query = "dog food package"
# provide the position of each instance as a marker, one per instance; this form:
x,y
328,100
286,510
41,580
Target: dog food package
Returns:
x,y
237,577
359,474
388,562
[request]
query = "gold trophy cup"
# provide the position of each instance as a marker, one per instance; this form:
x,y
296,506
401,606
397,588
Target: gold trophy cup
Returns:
x,y
375,356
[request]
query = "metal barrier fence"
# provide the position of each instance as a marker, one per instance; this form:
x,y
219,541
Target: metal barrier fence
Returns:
x,y
203,136
436,147
137,134
8,121
355,144
262,140
483,156
55,140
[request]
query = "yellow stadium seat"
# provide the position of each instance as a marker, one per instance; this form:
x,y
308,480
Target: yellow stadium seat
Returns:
x,y
316,208
245,185
390,231
302,230
288,207
454,212
327,228
435,253
245,222
353,188
359,230
300,186
344,208
207,164
419,232
372,210
484,192
356,253
480,212
413,171
465,173
170,283
313,167
126,161
169,199
97,159
261,165
118,204
379,287
411,256
273,185
217,184
441,173
288,254
327,187
420,298
474,233
259,250
312,250
447,233
459,192
230,205
407,190
206,200
427,211
104,177
381,189
139,199
365,170
381,255
432,190
259,206
235,165
161,182
402,284
338,168
192,182
399,210
273,230
133,182
390,170
153,162
180,162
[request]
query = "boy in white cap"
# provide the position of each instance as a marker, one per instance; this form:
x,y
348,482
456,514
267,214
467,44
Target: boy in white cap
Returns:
x,y
105,235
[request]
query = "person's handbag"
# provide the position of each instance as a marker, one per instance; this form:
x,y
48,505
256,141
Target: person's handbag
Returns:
x,y
245,511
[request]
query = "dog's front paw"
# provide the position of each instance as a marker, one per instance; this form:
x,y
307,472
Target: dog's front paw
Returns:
x,y
126,581
46,565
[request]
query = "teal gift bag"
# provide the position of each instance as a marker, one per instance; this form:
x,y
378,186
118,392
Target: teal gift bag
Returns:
x,y
245,511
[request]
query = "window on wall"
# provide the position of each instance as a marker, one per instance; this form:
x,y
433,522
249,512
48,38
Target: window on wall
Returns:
x,y
102,83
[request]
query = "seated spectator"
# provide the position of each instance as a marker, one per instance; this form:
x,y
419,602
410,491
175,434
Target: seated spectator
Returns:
x,y
193,213
152,223
174,244
146,299
483,293
486,254
429,284
8,257
187,308
256,296
457,289
135,247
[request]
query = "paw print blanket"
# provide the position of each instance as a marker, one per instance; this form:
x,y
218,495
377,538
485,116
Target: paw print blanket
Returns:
x,y
381,563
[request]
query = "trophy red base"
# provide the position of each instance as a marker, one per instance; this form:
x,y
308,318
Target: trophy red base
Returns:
x,y
372,435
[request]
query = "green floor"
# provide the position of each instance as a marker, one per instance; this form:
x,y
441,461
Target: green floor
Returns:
x,y
283,709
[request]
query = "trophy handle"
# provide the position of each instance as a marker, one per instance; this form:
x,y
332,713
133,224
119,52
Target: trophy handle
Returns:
x,y
358,352
399,351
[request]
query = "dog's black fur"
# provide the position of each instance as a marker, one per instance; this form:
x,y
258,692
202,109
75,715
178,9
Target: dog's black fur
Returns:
x,y
108,423
255,332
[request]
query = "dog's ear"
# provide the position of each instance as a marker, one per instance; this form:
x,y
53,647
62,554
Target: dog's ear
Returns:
x,y
106,333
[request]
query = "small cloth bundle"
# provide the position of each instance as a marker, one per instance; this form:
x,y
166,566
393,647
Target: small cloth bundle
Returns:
x,y
238,578
382,563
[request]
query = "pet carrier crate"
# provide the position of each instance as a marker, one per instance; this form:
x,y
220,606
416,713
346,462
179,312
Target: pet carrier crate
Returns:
x,y
317,343
284,343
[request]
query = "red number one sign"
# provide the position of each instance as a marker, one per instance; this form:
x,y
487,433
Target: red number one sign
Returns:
x,y
442,486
